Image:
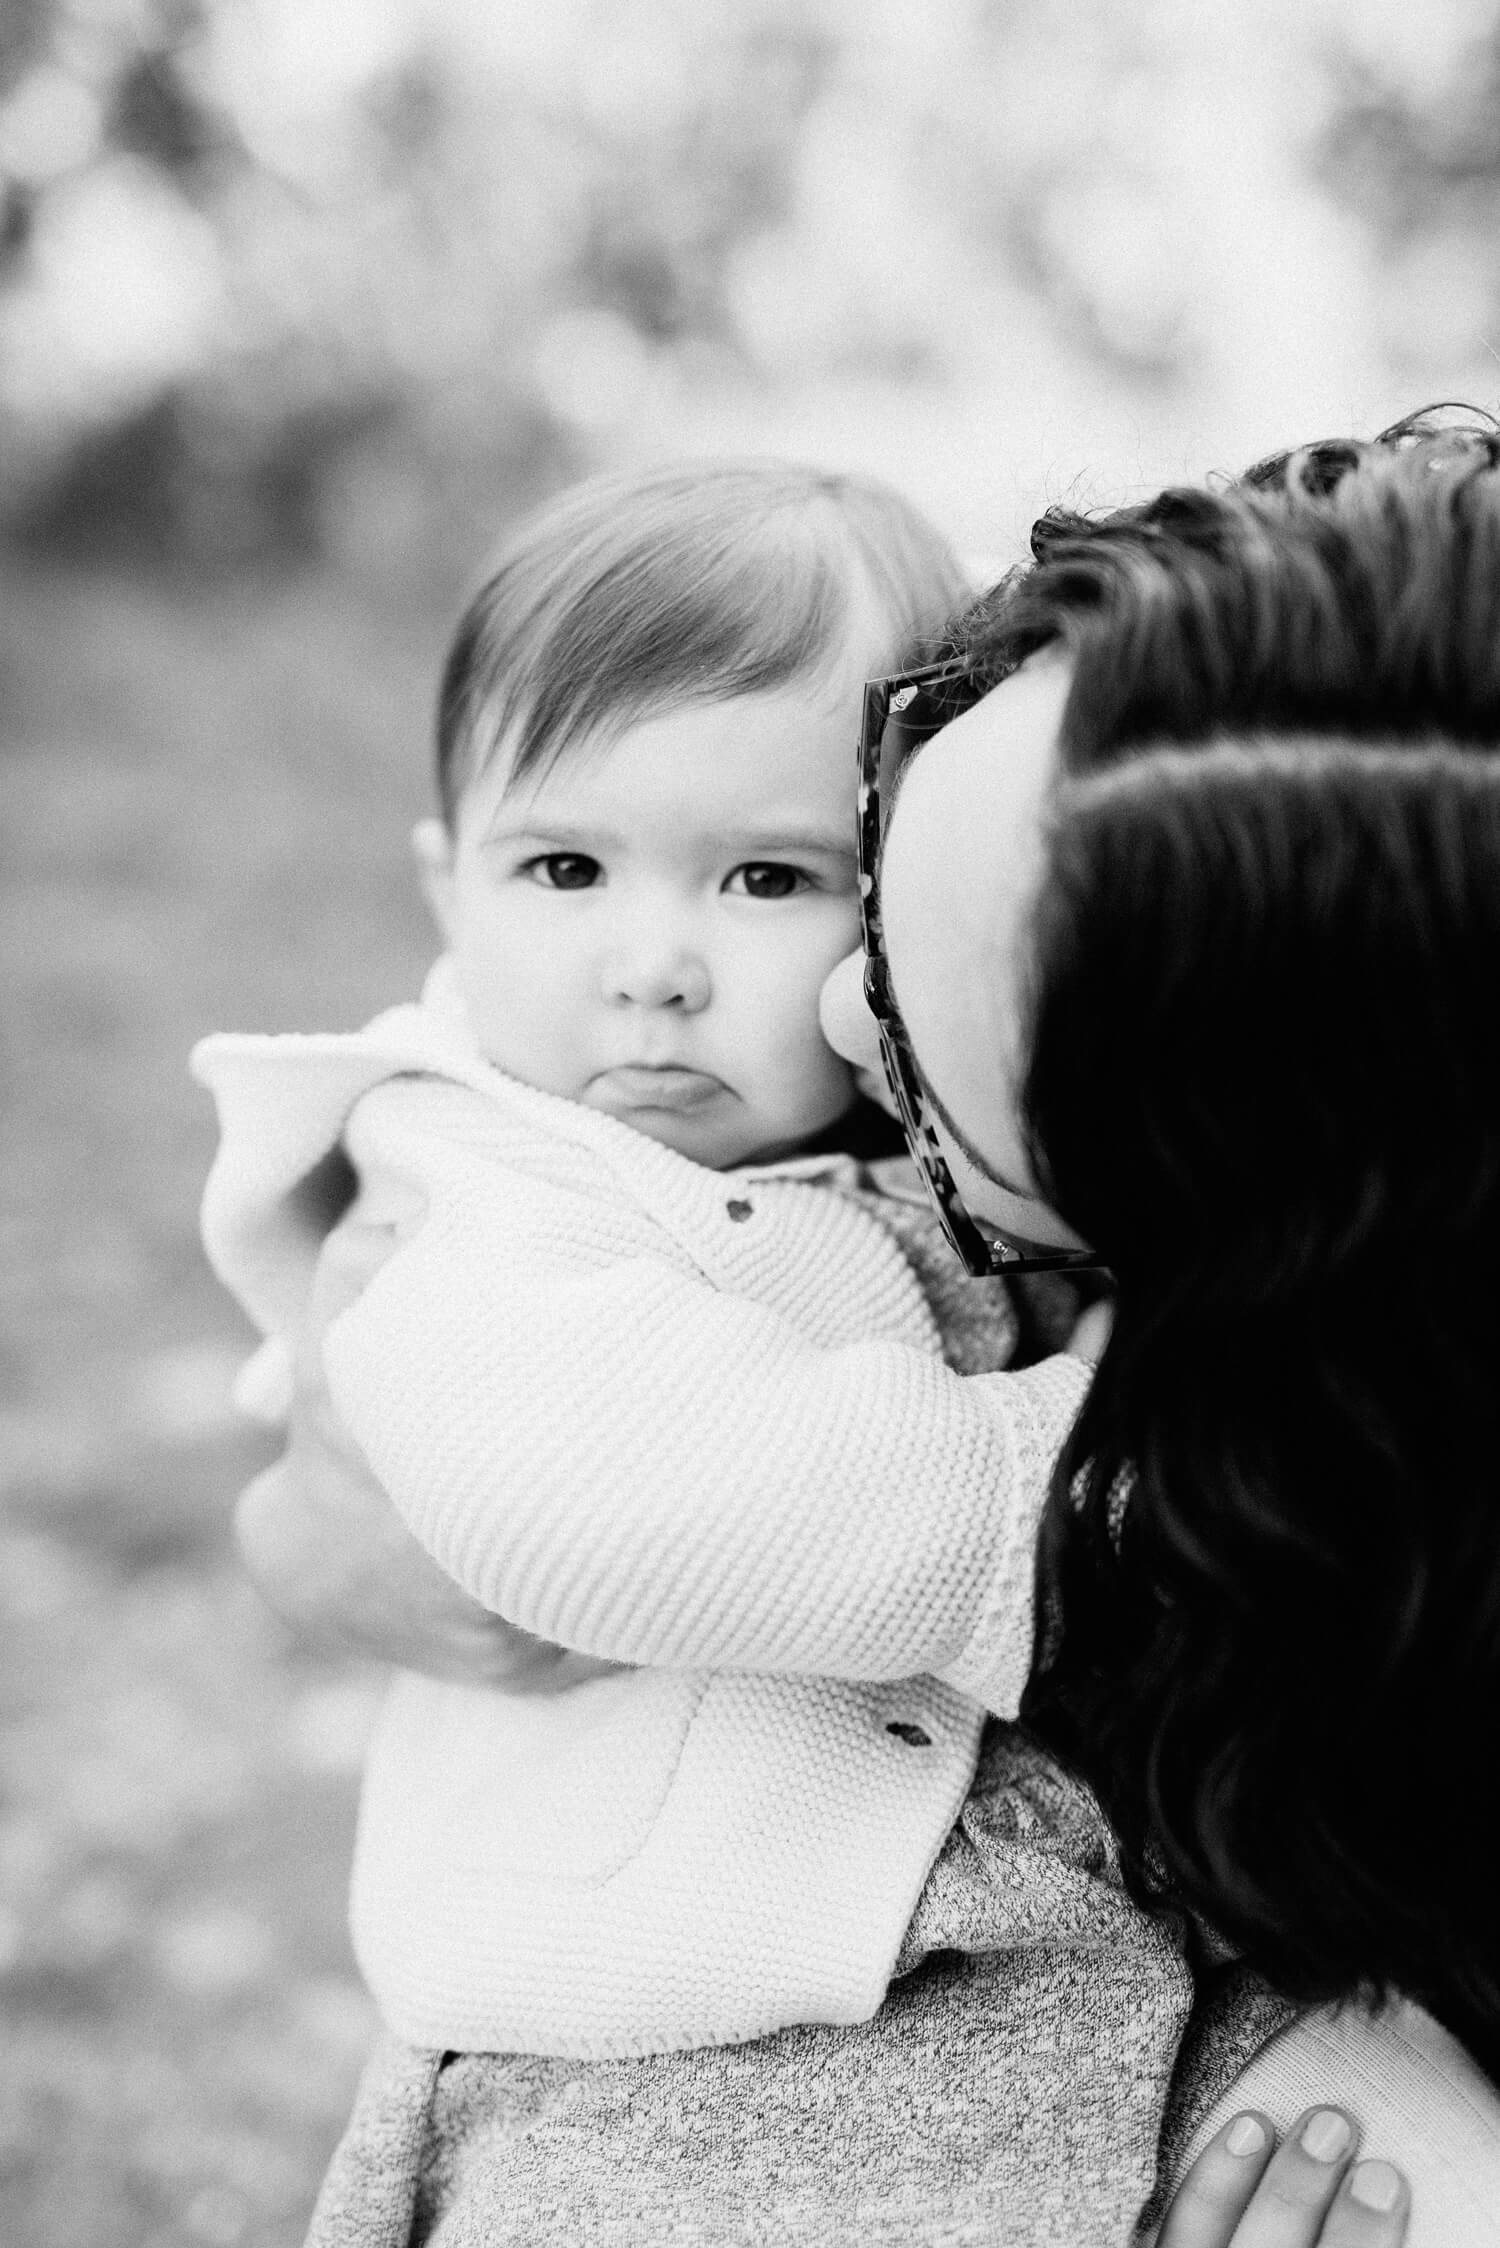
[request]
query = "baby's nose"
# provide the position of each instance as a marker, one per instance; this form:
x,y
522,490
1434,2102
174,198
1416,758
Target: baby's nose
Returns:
x,y
657,970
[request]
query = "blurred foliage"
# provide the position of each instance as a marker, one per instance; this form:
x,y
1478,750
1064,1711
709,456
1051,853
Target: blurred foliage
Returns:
x,y
1419,160
1417,153
288,277
252,258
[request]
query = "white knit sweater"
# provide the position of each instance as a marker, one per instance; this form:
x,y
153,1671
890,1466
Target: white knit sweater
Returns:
x,y
692,1420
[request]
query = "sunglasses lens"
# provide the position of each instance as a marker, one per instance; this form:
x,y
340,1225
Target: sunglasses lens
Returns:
x,y
917,710
895,746
900,716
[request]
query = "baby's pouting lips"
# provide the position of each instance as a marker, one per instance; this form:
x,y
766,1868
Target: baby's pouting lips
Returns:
x,y
665,1085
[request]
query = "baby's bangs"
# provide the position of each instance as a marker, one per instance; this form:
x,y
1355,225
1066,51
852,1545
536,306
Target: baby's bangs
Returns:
x,y
689,618
634,596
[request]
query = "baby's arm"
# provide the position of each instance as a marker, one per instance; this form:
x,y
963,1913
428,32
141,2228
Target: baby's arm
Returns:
x,y
329,1552
733,1497
320,1538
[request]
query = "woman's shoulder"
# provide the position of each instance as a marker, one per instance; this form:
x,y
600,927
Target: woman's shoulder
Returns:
x,y
1418,2098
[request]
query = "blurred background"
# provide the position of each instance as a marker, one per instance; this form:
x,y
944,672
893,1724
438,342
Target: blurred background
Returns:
x,y
300,302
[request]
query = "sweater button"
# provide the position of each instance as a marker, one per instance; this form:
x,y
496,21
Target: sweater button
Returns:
x,y
903,1730
739,1211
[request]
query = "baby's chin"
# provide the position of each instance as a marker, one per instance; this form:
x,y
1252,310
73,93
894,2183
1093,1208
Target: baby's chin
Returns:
x,y
689,1136
712,1135
721,1138
715,1151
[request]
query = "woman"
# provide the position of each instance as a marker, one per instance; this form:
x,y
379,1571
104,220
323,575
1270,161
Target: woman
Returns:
x,y
1210,987
1131,1020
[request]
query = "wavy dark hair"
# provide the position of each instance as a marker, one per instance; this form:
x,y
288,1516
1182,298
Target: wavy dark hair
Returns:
x,y
1264,1082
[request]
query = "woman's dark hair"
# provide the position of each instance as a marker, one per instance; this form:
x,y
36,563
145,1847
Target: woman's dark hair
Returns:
x,y
1264,1081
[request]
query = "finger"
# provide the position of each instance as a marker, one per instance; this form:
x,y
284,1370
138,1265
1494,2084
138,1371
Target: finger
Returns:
x,y
348,1260
1216,2191
356,1250
1301,2179
1091,1332
1370,2210
271,1524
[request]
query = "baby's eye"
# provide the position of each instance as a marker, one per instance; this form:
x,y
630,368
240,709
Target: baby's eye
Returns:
x,y
763,878
564,870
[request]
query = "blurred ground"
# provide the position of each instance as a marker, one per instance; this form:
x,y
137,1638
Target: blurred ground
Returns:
x,y
206,803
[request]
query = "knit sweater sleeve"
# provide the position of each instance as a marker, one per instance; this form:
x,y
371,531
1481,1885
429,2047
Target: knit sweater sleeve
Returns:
x,y
612,1452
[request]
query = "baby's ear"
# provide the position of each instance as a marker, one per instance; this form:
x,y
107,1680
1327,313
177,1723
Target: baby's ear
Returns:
x,y
432,848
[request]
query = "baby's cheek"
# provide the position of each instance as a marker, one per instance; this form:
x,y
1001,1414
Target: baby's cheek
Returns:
x,y
524,1039
781,998
822,1072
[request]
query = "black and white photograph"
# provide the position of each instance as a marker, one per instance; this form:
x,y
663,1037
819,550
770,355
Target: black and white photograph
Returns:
x,y
750,1069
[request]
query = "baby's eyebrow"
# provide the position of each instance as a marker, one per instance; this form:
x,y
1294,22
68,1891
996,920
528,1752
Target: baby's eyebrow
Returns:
x,y
836,843
560,833
567,835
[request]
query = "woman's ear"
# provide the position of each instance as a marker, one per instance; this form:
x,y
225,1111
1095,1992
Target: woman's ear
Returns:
x,y
432,848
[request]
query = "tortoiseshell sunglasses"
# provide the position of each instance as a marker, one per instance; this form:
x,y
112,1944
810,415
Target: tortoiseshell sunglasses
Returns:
x,y
901,713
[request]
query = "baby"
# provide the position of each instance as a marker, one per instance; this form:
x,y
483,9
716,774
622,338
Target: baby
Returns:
x,y
664,1364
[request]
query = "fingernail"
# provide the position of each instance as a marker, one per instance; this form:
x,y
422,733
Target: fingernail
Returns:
x,y
1375,2185
1247,2136
1326,2135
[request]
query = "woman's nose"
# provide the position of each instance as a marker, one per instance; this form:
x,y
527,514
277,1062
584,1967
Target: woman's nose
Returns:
x,y
848,1025
654,968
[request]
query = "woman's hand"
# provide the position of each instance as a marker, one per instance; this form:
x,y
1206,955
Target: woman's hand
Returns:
x,y
1241,2194
334,1559
1091,1331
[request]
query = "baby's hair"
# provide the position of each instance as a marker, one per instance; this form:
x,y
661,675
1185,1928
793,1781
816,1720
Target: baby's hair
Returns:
x,y
632,595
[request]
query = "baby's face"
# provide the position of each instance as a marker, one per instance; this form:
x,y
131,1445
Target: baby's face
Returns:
x,y
646,927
